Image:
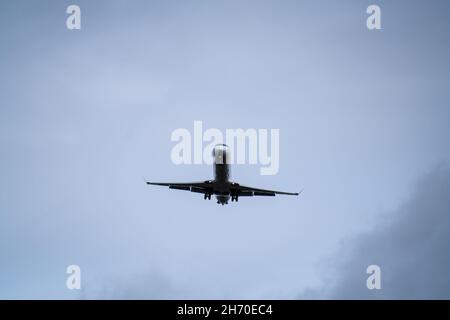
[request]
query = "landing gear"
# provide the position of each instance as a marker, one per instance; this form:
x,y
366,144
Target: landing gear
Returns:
x,y
222,198
234,198
207,196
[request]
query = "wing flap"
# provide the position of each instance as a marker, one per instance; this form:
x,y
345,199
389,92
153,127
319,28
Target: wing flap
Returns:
x,y
250,191
264,194
198,187
186,188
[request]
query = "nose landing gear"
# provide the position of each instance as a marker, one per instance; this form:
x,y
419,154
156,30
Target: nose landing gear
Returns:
x,y
234,198
207,196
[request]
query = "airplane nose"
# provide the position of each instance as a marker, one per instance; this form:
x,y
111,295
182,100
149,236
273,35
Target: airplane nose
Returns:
x,y
221,154
220,149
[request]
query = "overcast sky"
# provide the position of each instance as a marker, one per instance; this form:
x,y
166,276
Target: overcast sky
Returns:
x,y
86,118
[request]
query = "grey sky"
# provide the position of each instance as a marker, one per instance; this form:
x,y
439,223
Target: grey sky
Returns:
x,y
410,245
86,118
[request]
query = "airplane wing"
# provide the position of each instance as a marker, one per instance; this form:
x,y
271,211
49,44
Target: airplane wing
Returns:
x,y
199,187
245,191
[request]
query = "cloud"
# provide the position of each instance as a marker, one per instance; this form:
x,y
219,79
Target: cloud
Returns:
x,y
411,247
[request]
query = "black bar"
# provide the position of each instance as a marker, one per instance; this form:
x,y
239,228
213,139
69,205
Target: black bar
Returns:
x,y
233,309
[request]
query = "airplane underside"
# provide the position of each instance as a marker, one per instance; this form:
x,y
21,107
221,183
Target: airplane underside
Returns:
x,y
221,186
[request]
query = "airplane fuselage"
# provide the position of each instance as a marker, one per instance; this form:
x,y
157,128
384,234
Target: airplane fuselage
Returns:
x,y
221,156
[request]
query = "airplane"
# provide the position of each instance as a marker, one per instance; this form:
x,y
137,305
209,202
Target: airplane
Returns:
x,y
221,186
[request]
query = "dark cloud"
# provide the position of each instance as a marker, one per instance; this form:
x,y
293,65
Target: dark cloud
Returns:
x,y
411,247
